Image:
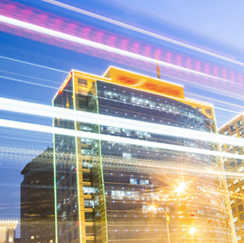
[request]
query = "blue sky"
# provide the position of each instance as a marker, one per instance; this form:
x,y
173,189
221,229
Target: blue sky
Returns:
x,y
214,25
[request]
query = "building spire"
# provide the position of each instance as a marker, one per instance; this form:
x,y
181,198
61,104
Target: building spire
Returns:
x,y
158,70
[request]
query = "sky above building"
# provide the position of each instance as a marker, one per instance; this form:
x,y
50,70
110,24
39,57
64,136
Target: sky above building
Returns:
x,y
33,70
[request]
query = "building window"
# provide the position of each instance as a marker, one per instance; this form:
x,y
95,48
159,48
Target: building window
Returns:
x,y
237,190
233,164
233,210
70,237
241,131
239,123
64,215
83,103
144,182
233,127
82,82
235,219
239,161
133,181
234,135
240,208
208,111
242,216
235,181
226,132
76,234
241,169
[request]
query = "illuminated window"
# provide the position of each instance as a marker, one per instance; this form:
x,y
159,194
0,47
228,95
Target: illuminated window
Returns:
x,y
241,169
64,215
32,237
226,132
133,181
239,123
233,127
127,155
235,219
235,181
117,194
241,131
144,182
237,190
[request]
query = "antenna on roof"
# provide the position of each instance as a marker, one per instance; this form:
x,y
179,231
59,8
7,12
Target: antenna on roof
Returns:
x,y
158,70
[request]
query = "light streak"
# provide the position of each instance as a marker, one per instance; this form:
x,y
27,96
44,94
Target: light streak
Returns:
x,y
86,117
28,82
96,45
215,100
142,31
32,64
27,76
52,87
68,132
165,167
223,109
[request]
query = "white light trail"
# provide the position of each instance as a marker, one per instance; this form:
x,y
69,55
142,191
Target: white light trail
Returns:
x,y
115,139
32,64
28,82
57,34
204,98
27,76
161,165
92,118
142,31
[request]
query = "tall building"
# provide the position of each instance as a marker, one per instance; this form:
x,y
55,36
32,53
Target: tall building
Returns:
x,y
119,186
37,200
235,128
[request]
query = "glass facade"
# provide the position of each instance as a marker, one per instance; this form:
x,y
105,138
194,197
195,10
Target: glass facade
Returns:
x,y
126,192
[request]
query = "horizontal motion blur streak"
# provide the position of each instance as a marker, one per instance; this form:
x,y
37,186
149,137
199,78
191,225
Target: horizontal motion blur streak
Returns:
x,y
68,132
142,31
103,47
81,116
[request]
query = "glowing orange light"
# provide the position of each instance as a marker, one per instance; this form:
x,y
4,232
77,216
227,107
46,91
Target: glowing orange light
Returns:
x,y
65,83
